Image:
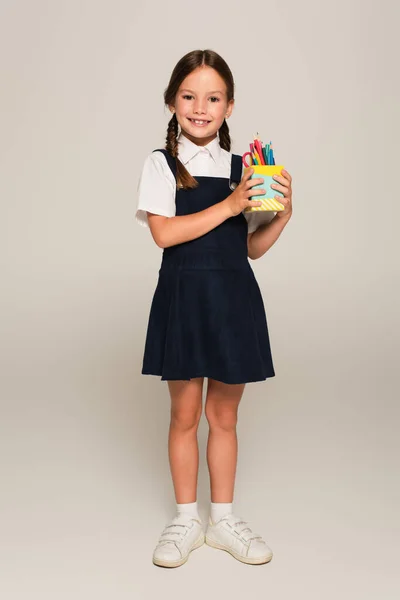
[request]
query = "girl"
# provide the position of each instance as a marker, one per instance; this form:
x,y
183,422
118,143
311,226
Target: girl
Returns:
x,y
207,316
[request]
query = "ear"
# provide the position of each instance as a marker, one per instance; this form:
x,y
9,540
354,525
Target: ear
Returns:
x,y
229,110
171,108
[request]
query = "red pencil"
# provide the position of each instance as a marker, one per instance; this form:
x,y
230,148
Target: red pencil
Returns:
x,y
259,150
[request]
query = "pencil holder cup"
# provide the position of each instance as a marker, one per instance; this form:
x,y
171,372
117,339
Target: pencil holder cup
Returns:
x,y
268,199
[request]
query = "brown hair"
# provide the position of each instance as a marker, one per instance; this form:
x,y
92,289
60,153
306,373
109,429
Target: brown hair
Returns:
x,y
187,64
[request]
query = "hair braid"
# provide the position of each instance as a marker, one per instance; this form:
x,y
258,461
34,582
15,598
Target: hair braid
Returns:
x,y
183,178
224,137
172,137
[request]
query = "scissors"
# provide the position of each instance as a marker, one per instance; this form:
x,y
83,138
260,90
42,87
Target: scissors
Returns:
x,y
244,159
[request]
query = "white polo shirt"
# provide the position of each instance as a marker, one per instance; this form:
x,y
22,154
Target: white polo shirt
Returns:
x,y
157,185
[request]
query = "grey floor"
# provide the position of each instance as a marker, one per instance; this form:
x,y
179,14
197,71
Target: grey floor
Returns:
x,y
86,491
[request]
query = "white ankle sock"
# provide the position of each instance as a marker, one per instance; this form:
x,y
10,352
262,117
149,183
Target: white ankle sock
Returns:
x,y
219,510
188,509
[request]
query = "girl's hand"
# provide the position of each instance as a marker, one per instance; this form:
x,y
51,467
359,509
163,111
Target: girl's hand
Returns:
x,y
284,185
238,200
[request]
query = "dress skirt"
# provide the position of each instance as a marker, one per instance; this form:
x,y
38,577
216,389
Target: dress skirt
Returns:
x,y
208,322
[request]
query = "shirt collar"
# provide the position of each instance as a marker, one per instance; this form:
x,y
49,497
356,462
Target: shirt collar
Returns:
x,y
188,149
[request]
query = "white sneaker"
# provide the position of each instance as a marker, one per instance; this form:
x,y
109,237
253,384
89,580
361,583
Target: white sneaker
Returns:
x,y
234,535
182,535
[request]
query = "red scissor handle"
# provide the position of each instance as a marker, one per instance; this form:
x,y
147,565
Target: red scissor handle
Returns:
x,y
244,159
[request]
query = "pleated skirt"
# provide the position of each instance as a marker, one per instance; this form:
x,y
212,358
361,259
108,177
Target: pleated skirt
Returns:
x,y
207,319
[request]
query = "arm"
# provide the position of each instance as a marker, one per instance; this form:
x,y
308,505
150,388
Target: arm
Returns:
x,y
261,240
172,230
169,231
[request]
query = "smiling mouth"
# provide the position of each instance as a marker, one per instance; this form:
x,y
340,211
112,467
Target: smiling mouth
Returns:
x,y
199,122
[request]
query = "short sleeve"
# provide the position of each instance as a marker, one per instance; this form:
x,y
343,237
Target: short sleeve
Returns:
x,y
156,189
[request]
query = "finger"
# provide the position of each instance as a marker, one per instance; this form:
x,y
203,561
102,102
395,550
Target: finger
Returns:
x,y
252,182
284,201
254,203
287,174
279,188
247,174
280,179
257,192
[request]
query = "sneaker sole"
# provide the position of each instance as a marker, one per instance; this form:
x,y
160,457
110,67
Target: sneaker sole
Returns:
x,y
177,563
244,559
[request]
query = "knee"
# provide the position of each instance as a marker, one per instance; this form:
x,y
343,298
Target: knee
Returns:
x,y
221,418
185,420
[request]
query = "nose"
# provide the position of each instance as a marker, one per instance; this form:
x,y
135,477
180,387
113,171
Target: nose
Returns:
x,y
199,108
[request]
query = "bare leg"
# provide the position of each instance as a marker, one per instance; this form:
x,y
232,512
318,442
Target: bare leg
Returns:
x,y
221,412
183,449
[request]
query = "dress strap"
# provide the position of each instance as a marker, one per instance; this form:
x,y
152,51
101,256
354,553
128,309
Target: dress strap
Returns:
x,y
236,171
170,160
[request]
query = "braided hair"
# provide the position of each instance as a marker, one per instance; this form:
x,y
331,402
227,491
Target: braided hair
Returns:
x,y
183,178
224,137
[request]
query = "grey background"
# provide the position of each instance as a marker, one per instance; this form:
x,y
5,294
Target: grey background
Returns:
x,y
85,483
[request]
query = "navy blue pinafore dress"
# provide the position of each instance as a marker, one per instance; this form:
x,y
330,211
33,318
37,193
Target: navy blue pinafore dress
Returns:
x,y
207,317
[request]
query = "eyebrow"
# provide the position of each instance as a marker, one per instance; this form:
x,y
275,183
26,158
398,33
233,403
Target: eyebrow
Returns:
x,y
213,92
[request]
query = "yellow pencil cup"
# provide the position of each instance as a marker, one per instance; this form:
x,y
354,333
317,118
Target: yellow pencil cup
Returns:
x,y
268,199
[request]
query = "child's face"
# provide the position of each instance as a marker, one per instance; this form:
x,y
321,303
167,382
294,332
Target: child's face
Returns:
x,y
202,97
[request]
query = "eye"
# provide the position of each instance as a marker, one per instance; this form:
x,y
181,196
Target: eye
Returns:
x,y
187,96
214,98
